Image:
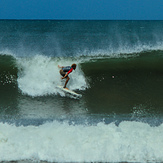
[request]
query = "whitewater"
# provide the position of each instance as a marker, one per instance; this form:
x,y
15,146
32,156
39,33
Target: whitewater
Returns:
x,y
60,142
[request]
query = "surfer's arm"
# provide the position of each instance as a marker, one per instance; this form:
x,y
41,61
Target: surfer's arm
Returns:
x,y
68,73
60,66
65,76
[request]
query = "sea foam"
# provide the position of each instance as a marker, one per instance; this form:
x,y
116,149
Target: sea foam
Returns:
x,y
62,142
39,76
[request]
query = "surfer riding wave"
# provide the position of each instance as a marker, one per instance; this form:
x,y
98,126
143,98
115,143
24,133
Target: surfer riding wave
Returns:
x,y
65,71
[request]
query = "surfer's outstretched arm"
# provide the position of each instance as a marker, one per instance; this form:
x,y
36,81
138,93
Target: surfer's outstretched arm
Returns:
x,y
60,66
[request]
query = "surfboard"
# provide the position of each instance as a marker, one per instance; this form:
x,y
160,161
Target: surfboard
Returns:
x,y
69,91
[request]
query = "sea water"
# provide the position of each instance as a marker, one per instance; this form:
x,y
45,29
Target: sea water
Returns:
x,y
119,74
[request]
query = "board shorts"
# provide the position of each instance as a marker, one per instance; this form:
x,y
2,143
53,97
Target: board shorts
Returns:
x,y
62,73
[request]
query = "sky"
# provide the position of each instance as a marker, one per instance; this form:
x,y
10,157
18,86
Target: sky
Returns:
x,y
82,9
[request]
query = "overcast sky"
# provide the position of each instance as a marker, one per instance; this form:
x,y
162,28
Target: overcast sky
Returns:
x,y
82,9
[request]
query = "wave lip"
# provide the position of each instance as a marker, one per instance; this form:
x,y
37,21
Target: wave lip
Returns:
x,y
125,51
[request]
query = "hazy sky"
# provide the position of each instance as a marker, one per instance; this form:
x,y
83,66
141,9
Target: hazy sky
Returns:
x,y
82,9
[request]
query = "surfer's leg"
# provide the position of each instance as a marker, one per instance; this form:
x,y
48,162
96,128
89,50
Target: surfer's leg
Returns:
x,y
67,79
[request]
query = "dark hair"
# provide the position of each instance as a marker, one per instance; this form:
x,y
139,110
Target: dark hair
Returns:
x,y
73,66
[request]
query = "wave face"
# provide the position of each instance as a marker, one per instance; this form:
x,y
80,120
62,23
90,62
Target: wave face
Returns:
x,y
119,74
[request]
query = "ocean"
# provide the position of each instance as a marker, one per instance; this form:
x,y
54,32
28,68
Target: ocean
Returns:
x,y
119,74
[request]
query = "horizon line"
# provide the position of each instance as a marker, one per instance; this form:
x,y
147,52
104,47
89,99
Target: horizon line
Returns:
x,y
82,19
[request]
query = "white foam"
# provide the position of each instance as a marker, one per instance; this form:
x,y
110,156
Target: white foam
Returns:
x,y
122,50
61,142
39,75
7,52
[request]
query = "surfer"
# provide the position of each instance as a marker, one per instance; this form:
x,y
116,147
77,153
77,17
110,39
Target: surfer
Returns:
x,y
65,71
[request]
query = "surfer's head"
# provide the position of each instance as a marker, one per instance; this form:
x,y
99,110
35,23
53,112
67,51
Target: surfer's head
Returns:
x,y
73,66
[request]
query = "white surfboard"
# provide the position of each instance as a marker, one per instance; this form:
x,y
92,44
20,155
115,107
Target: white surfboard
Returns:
x,y
69,91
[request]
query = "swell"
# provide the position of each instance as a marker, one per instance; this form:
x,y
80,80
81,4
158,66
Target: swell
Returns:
x,y
9,63
35,76
148,60
125,83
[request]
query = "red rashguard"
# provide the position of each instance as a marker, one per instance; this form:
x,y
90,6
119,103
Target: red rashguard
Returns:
x,y
69,71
